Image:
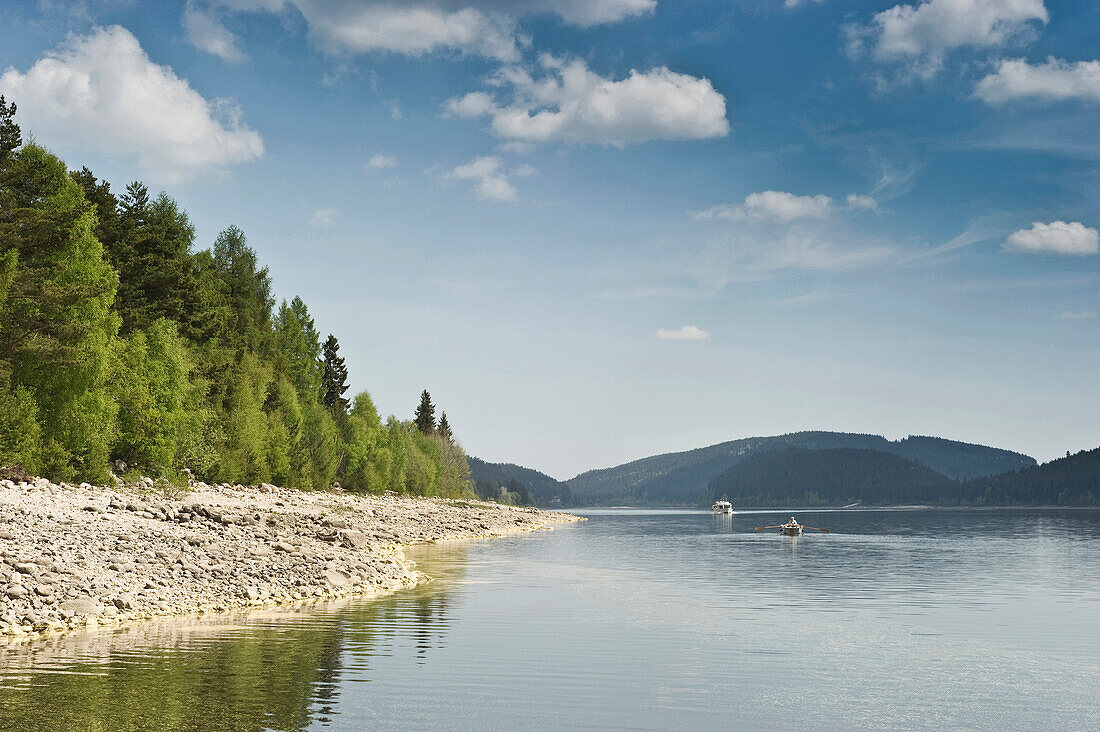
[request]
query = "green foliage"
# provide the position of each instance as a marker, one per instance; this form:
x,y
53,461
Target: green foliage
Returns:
x,y
334,377
369,459
425,414
682,478
151,387
246,448
57,326
20,433
830,477
539,488
298,347
178,365
10,137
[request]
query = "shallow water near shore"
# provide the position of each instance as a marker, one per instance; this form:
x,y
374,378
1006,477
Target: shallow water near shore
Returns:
x,y
635,619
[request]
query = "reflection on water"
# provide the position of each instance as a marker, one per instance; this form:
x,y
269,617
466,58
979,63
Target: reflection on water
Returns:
x,y
634,619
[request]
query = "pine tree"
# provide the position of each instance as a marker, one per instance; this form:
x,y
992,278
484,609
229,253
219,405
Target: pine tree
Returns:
x,y
425,414
334,378
445,429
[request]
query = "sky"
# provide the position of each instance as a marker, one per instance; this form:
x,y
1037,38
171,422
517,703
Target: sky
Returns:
x,y
598,230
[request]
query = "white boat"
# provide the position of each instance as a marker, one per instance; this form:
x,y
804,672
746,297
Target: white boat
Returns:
x,y
722,506
791,528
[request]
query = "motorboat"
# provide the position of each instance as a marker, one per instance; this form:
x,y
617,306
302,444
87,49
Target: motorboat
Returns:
x,y
722,506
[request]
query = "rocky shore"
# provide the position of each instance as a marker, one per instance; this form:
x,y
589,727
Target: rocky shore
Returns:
x,y
74,557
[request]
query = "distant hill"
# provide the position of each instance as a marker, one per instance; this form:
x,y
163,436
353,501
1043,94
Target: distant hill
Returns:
x,y
1070,481
541,487
681,478
831,477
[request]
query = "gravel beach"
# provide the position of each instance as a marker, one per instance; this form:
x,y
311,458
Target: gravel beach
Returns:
x,y
78,557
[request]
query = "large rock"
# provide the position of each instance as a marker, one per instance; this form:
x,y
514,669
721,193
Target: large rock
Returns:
x,y
82,606
353,539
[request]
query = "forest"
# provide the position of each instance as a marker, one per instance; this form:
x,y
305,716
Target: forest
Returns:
x,y
124,347
839,476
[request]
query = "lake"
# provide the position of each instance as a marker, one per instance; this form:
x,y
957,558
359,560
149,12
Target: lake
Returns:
x,y
635,619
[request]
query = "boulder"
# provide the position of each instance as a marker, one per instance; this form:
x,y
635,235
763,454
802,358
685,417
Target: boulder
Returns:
x,y
353,539
82,606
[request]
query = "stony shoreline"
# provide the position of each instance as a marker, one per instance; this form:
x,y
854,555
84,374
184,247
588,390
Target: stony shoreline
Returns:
x,y
83,557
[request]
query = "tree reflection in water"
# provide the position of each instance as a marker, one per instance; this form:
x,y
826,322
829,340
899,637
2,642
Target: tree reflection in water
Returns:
x,y
271,669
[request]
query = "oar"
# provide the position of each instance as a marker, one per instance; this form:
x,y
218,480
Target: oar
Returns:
x,y
777,526
813,529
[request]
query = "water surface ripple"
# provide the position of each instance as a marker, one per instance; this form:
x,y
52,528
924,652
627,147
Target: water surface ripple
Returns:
x,y
897,619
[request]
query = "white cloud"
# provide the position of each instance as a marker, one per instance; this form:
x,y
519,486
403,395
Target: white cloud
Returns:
x,y
683,333
1077,314
1057,237
582,13
490,177
798,3
477,27
206,33
1053,81
925,34
381,162
772,205
857,201
102,93
573,104
324,217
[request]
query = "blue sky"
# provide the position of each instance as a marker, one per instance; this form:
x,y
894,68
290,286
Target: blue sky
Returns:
x,y
602,229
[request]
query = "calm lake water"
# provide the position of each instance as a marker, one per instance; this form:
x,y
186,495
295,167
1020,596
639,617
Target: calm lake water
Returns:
x,y
635,620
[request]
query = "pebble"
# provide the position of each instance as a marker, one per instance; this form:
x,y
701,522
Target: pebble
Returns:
x,y
84,556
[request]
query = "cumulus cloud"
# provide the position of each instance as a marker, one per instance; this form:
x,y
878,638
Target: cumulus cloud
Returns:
x,y
102,93
570,103
772,205
205,32
478,27
324,217
1057,237
381,162
683,333
925,34
1053,81
490,177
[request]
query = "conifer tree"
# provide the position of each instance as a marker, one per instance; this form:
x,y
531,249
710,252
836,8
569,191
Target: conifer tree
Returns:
x,y
445,429
425,414
334,378
10,137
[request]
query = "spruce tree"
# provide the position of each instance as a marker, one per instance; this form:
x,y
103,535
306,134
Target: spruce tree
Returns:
x,y
425,414
334,378
445,429
10,137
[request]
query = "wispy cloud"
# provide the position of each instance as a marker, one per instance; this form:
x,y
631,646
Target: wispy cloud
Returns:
x,y
324,217
381,162
683,333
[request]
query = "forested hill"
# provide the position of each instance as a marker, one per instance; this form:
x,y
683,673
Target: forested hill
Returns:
x,y
123,345
1070,481
832,477
530,486
682,478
